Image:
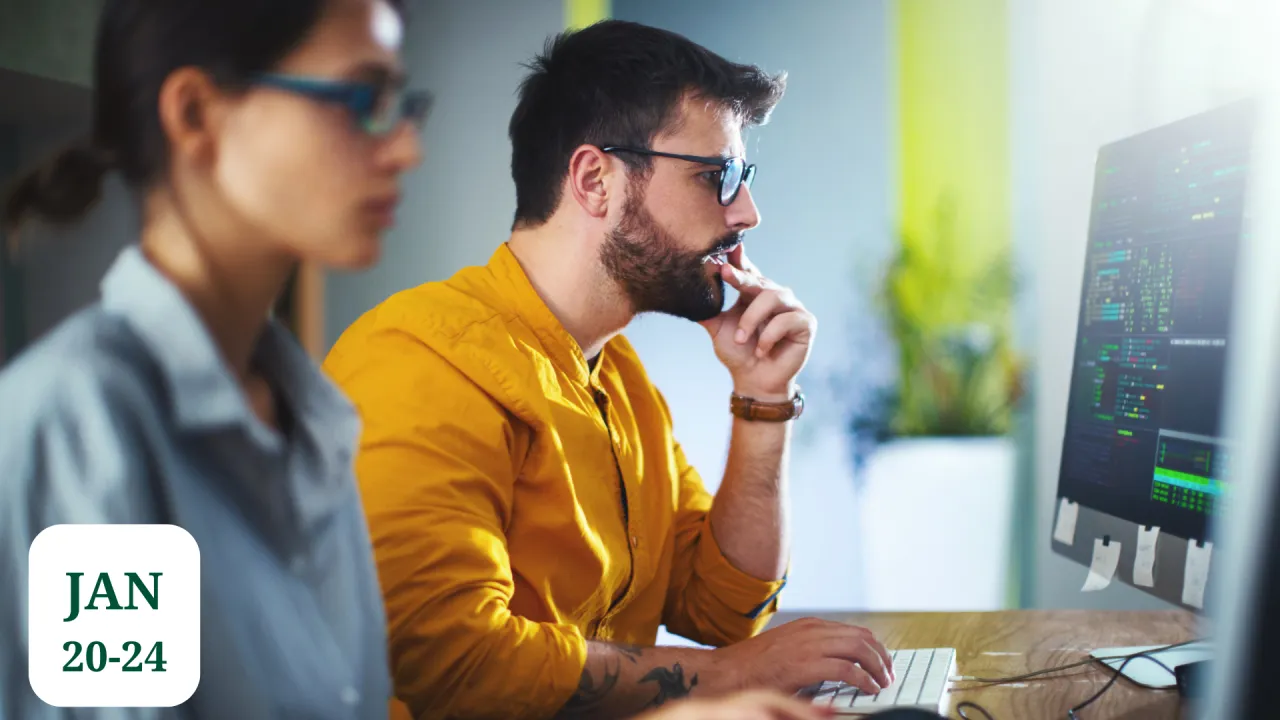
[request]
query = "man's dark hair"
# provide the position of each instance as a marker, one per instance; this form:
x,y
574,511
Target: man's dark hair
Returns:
x,y
621,83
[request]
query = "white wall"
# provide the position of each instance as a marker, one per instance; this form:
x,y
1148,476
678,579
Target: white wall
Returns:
x,y
1085,73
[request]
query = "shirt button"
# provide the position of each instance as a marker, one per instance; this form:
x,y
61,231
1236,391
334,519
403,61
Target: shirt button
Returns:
x,y
635,541
350,696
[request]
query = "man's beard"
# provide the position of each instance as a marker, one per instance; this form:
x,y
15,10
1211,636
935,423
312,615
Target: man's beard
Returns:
x,y
656,274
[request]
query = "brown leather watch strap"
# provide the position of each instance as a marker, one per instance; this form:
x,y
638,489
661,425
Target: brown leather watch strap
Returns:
x,y
751,409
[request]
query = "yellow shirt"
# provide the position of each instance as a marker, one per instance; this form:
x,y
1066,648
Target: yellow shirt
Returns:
x,y
521,502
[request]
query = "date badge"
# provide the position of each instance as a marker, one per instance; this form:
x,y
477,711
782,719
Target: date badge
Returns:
x,y
114,615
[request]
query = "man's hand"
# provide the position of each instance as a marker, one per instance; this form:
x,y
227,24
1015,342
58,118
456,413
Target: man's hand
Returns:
x,y
804,653
620,680
756,705
764,339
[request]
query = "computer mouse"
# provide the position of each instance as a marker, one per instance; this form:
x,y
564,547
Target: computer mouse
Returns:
x,y
1190,677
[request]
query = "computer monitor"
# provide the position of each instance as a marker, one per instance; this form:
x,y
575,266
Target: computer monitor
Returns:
x,y
1144,446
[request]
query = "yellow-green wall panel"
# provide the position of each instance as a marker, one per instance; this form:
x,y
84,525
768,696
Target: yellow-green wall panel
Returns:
x,y
953,117
581,13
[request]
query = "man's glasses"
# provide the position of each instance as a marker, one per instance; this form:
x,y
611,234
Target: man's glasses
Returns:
x,y
734,171
376,110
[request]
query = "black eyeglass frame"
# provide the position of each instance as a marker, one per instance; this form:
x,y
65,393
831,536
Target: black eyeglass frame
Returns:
x,y
726,165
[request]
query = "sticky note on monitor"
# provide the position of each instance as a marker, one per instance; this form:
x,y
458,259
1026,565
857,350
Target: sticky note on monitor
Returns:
x,y
1106,558
1064,530
1144,563
1196,574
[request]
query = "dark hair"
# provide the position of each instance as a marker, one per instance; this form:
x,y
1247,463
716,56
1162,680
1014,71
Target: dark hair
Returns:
x,y
616,82
139,44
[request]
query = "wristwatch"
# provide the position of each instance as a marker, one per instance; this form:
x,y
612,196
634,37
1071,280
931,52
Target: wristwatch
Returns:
x,y
751,409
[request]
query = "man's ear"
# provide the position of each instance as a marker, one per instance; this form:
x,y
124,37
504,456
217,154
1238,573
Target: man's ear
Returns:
x,y
592,175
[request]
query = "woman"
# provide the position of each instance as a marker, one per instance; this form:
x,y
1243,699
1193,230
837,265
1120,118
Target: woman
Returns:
x,y
258,135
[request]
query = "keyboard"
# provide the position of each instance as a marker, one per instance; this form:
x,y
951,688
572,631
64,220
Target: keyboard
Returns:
x,y
923,683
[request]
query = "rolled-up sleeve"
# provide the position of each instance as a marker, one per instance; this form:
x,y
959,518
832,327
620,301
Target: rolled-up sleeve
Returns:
x,y
710,600
437,489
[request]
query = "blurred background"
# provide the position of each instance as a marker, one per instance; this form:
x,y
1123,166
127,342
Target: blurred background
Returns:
x,y
925,187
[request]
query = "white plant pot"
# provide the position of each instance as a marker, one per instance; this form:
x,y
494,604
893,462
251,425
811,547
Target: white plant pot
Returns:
x,y
936,522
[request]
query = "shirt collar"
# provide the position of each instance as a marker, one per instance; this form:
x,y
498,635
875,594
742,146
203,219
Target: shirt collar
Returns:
x,y
528,305
202,390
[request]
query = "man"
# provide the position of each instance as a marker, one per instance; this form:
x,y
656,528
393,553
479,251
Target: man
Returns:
x,y
533,518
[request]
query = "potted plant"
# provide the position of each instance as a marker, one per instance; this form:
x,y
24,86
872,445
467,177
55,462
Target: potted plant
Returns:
x,y
934,464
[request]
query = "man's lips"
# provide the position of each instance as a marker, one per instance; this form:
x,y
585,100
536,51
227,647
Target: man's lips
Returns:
x,y
735,256
731,255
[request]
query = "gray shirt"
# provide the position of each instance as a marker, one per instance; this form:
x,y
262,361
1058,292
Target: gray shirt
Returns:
x,y
126,413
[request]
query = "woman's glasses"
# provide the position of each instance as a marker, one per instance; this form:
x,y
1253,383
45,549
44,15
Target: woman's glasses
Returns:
x,y
376,110
734,171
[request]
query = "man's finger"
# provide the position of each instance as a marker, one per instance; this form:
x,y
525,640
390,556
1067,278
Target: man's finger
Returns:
x,y
761,309
793,326
864,651
847,672
856,634
748,284
882,651
738,258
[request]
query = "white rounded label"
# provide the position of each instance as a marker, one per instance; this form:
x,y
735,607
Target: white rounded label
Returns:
x,y
114,615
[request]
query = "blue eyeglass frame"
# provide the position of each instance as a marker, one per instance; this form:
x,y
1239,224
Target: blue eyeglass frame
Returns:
x,y
359,98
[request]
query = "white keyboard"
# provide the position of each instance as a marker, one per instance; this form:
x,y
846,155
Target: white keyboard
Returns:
x,y
923,682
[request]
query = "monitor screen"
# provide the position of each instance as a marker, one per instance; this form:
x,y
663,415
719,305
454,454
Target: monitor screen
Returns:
x,y
1143,435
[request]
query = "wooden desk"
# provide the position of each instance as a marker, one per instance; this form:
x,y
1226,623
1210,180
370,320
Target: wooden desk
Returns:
x,y
1003,644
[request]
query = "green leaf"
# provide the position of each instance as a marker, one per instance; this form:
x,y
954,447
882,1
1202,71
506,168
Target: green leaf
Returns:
x,y
949,309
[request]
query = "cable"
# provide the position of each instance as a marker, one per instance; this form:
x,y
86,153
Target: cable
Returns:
x,y
1038,673
1029,676
1071,714
960,708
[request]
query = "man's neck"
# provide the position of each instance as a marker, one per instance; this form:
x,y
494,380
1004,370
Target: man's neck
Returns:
x,y
564,269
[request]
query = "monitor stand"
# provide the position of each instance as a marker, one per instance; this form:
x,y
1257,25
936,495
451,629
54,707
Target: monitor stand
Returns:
x,y
1149,674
